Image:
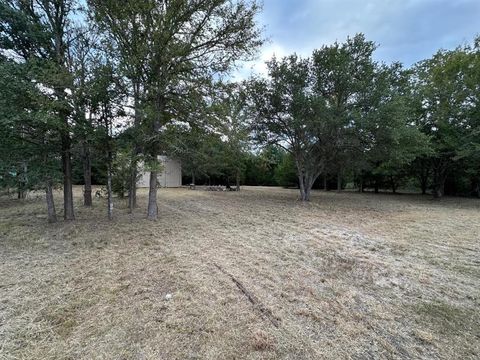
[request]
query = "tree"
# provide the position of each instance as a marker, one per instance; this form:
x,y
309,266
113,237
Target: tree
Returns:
x,y
447,95
342,73
287,113
84,51
261,167
285,172
390,137
28,146
104,99
187,42
38,33
233,125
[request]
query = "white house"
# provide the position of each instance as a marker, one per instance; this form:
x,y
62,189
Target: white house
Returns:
x,y
170,176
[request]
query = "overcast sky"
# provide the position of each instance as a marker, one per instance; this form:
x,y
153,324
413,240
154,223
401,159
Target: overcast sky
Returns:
x,y
405,30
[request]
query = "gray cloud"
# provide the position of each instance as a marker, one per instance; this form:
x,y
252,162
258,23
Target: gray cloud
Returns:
x,y
406,30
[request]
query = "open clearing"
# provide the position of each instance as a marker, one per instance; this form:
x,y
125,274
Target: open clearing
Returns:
x,y
252,275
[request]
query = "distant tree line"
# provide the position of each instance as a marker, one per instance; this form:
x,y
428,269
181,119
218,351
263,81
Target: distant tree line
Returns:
x,y
340,118
91,89
341,114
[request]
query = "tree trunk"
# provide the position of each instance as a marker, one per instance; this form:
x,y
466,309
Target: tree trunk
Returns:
x,y
423,185
132,190
68,213
109,188
439,177
152,211
308,191
325,182
237,181
476,189
394,185
52,215
305,184
301,185
377,187
438,186
87,176
339,182
360,184
22,181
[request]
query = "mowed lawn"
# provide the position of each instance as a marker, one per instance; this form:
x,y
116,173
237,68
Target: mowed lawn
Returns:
x,y
249,275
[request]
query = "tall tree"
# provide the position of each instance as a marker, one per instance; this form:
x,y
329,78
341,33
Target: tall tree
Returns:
x,y
390,139
231,113
28,146
106,100
82,56
39,32
287,114
447,87
187,41
341,74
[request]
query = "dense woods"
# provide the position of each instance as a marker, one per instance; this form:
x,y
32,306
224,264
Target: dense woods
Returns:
x,y
90,90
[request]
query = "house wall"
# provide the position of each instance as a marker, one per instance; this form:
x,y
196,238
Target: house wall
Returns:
x,y
170,176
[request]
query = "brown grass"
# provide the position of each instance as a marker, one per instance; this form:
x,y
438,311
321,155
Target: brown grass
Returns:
x,y
345,276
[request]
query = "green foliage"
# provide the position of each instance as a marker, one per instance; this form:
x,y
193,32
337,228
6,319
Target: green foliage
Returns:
x,y
286,172
260,168
446,93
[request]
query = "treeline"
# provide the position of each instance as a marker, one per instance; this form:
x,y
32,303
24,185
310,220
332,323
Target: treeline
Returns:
x,y
339,117
113,85
341,113
105,80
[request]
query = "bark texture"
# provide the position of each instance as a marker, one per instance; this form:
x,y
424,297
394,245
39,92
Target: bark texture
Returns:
x,y
68,213
152,211
109,192
87,176
52,215
237,182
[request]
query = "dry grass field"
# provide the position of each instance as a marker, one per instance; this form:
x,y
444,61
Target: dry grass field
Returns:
x,y
252,275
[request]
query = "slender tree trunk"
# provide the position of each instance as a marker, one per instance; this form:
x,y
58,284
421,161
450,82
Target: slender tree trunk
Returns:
x,y
325,182
132,193
237,181
377,186
438,191
423,185
339,181
22,181
476,188
301,184
52,215
360,184
132,189
152,211
394,185
109,188
438,186
87,176
68,213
